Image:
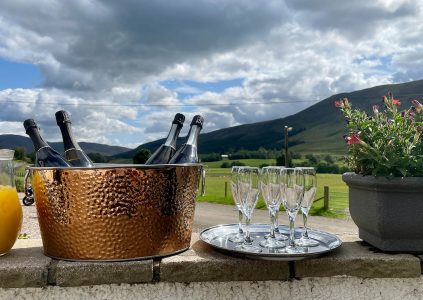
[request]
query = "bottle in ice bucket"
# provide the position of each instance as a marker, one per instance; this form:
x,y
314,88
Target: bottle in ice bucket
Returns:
x,y
10,207
73,152
165,152
188,151
45,156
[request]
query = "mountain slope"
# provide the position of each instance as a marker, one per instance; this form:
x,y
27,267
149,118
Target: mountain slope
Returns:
x,y
318,128
11,141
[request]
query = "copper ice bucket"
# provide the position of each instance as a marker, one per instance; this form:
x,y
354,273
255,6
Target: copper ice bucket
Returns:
x,y
115,212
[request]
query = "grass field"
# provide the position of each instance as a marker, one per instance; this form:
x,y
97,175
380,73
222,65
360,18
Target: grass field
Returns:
x,y
215,190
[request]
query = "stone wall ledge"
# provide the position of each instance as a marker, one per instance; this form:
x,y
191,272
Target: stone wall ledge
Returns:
x,y
28,267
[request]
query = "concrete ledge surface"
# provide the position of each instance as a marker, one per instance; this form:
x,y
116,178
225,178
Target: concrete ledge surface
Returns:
x,y
24,267
68,273
202,263
360,260
28,267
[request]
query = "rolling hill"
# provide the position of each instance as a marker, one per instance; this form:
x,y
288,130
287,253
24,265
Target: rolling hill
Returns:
x,y
11,141
317,129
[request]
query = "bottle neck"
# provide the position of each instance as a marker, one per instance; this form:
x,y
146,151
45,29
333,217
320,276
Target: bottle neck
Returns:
x,y
193,135
69,141
36,138
173,135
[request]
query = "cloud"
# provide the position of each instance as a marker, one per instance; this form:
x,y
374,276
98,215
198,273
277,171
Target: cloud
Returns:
x,y
355,19
107,61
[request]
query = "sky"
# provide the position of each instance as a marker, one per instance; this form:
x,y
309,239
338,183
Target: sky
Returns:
x,y
122,69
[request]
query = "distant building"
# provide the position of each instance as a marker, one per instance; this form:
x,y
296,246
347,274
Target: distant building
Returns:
x,y
224,157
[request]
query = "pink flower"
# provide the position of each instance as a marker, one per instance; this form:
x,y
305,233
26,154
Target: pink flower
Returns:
x,y
375,109
418,106
353,139
396,102
339,103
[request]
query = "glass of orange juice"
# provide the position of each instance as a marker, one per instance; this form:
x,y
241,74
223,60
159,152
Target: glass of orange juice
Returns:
x,y
10,207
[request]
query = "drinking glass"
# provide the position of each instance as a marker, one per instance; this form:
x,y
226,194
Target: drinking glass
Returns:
x,y
292,188
249,190
10,207
310,183
270,189
239,236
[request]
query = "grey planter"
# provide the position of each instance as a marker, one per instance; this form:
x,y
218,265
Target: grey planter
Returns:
x,y
388,212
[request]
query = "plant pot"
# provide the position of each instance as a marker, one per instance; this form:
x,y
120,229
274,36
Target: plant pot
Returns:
x,y
387,211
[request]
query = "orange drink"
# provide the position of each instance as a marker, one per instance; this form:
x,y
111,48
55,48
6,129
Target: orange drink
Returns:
x,y
10,217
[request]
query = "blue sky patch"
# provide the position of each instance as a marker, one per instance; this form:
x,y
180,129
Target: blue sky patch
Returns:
x,y
384,62
18,75
189,88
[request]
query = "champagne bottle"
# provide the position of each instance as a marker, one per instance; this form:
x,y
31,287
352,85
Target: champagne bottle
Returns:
x,y
45,156
188,151
73,152
165,152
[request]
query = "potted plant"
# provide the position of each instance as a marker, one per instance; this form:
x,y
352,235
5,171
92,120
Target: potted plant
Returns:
x,y
386,187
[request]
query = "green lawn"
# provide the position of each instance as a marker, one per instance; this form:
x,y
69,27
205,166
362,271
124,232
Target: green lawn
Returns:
x,y
215,190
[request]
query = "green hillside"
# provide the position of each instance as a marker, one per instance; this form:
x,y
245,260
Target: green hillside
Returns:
x,y
11,141
317,129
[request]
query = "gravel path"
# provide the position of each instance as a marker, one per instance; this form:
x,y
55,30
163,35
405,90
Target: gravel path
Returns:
x,y
30,222
208,214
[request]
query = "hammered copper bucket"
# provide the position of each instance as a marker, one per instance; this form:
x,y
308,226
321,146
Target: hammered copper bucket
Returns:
x,y
115,212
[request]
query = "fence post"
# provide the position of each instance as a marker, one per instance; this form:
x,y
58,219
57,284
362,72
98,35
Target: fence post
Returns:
x,y
203,182
226,188
326,198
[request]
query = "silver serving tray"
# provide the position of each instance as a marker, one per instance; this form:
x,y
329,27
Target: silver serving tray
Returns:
x,y
217,237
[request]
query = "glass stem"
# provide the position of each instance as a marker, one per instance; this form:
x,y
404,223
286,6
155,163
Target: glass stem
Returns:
x,y
276,221
273,224
291,230
248,239
240,231
305,233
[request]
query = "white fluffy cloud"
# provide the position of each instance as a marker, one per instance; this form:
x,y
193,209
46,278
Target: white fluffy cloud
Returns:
x,y
96,55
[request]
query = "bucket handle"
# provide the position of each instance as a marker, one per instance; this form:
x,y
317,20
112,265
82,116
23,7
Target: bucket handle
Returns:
x,y
27,186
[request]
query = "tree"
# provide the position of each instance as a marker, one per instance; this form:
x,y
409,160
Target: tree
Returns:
x,y
312,158
97,157
19,153
30,157
280,161
141,156
329,159
237,163
295,155
225,164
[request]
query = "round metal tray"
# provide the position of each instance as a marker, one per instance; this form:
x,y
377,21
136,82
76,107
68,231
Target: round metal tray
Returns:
x,y
217,237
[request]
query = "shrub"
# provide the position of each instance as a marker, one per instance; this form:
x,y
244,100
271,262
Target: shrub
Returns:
x,y
141,156
387,143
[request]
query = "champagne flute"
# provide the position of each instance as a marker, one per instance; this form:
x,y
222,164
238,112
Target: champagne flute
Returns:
x,y
239,236
292,186
249,190
270,189
310,183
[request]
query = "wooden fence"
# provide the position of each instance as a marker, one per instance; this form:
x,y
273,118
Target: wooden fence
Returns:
x,y
334,201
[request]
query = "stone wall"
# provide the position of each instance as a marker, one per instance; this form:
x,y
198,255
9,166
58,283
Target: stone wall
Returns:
x,y
354,271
